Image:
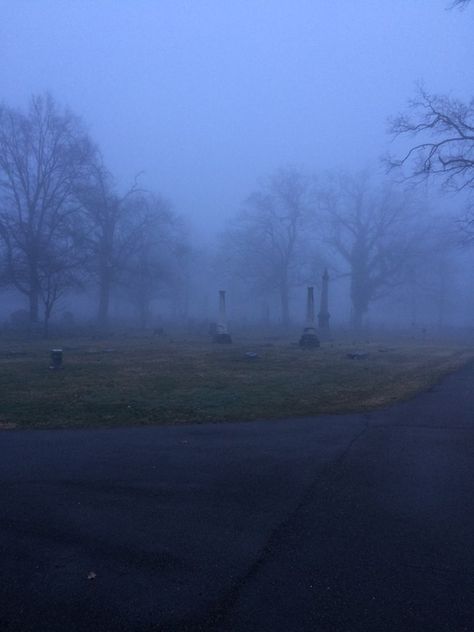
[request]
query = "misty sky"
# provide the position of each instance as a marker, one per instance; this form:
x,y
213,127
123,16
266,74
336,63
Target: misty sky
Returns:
x,y
205,96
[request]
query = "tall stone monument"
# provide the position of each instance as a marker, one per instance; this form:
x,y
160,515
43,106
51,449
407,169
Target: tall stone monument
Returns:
x,y
324,315
222,335
309,339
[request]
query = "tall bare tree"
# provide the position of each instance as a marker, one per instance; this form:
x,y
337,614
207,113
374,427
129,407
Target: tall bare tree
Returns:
x,y
372,229
155,261
109,232
444,129
44,153
265,244
61,270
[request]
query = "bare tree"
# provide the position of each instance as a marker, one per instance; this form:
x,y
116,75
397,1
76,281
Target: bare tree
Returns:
x,y
372,230
431,274
444,128
109,232
265,245
155,261
60,271
444,131
44,153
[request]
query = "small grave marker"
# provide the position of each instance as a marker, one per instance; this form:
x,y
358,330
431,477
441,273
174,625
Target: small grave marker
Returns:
x,y
56,359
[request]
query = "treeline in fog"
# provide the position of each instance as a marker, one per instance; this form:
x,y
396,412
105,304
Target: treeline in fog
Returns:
x,y
77,246
66,226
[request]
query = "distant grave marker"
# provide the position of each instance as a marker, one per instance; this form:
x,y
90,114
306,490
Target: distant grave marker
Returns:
x,y
222,335
56,359
309,339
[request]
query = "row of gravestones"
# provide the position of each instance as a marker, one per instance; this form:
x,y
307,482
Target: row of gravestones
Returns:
x,y
221,335
309,338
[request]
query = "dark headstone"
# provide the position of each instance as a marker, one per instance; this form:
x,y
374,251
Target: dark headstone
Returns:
x,y
309,339
56,359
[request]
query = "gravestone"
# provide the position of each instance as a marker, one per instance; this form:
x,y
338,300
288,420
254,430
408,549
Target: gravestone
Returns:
x,y
222,335
56,359
309,339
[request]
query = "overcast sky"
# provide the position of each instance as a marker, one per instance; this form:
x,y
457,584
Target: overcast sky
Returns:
x,y
206,96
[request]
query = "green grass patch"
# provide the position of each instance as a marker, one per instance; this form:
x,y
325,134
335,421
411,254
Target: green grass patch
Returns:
x,y
154,381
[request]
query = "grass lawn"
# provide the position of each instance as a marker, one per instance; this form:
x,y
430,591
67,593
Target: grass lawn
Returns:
x,y
155,381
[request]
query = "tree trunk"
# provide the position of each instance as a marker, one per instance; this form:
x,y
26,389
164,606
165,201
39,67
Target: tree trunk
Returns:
x,y
34,305
34,294
360,298
357,317
46,326
285,306
104,301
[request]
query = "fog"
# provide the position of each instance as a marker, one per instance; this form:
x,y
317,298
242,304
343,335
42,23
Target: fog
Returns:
x,y
199,109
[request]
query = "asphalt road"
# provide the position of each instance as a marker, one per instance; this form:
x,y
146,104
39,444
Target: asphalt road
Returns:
x,y
352,523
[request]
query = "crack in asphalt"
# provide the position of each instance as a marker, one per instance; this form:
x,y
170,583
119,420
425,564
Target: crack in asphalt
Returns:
x,y
216,616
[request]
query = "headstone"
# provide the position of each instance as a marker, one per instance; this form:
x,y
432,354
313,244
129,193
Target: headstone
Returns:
x,y
358,355
222,335
309,339
56,359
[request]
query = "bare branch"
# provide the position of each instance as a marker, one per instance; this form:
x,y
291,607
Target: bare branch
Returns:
x,y
445,128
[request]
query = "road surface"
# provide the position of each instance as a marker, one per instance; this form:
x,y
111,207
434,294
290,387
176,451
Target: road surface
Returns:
x,y
359,522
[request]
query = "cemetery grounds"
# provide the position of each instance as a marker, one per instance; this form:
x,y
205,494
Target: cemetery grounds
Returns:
x,y
144,379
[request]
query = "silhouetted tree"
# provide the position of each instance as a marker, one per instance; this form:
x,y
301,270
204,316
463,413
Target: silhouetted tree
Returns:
x,y
62,269
431,274
265,246
372,229
155,257
44,154
109,234
444,129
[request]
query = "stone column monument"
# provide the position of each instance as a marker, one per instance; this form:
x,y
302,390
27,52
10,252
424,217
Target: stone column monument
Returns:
x,y
222,335
309,339
324,315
